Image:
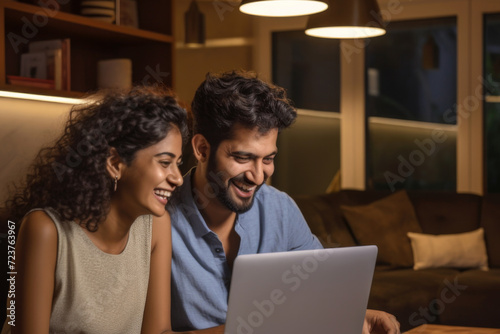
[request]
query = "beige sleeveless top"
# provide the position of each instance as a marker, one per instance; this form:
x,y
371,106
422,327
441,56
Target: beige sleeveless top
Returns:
x,y
96,292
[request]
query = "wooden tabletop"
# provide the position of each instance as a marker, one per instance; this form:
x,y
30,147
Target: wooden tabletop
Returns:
x,y
441,329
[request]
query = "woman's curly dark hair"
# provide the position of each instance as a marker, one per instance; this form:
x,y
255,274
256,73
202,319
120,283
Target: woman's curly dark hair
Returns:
x,y
71,176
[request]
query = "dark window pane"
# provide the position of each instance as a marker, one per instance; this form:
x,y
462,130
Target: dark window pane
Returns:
x,y
410,104
492,101
308,155
412,71
308,68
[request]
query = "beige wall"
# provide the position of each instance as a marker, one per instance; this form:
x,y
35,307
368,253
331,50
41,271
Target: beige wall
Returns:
x,y
224,24
25,126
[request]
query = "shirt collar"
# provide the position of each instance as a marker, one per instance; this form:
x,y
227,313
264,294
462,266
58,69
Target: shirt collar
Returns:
x,y
189,207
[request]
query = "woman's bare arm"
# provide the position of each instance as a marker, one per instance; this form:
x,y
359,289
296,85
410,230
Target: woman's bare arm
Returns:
x,y
157,310
36,256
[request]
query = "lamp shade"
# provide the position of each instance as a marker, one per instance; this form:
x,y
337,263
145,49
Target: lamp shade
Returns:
x,y
282,8
194,22
347,19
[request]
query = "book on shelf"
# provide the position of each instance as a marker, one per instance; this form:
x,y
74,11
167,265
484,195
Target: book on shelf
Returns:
x,y
30,82
48,60
126,13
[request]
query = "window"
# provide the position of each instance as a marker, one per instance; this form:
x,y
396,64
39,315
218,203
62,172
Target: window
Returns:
x,y
411,94
492,100
309,69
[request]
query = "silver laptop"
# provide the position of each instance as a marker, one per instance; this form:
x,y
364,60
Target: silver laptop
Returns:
x,y
313,291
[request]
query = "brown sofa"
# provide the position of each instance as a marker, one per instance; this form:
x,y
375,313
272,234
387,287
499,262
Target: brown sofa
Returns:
x,y
442,295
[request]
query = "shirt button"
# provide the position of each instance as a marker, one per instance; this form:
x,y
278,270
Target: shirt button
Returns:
x,y
218,250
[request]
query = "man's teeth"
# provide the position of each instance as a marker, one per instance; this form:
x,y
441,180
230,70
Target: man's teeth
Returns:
x,y
242,187
163,193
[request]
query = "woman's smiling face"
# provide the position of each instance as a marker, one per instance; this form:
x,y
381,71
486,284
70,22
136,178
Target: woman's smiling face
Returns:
x,y
146,185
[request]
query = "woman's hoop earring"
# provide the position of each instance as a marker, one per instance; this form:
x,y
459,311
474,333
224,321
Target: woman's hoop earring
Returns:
x,y
116,182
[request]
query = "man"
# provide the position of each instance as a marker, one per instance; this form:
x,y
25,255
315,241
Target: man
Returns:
x,y
225,208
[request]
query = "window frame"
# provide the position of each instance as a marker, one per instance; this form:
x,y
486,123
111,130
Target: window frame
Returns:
x,y
469,14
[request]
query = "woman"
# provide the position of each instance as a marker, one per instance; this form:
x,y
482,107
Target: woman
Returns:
x,y
93,250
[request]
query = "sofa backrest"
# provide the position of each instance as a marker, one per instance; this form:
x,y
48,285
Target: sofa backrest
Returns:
x,y
490,221
446,212
437,213
322,213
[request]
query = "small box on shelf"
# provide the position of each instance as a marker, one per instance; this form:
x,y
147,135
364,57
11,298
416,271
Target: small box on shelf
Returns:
x,y
46,60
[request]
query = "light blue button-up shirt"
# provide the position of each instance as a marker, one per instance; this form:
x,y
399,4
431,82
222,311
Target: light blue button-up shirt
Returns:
x,y
200,274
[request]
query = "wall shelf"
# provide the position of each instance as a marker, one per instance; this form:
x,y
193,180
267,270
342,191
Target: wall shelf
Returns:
x,y
150,47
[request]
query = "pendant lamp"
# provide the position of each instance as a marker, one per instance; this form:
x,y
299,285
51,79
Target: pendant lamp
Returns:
x,y
347,19
282,8
194,23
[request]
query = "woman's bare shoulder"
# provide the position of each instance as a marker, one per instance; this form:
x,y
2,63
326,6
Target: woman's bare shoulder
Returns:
x,y
39,225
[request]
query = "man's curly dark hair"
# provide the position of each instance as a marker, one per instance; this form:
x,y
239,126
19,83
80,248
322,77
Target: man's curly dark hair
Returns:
x,y
239,97
71,176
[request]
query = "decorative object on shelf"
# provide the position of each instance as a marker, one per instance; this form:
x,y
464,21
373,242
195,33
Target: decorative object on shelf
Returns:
x,y
282,8
347,19
194,23
34,65
126,13
58,60
46,60
114,73
103,10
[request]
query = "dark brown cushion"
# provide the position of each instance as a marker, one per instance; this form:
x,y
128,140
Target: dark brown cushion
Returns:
x,y
385,223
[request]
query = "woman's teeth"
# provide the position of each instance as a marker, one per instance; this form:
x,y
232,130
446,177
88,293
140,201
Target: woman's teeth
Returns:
x,y
163,193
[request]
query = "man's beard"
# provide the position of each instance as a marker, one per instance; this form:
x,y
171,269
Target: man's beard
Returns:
x,y
216,178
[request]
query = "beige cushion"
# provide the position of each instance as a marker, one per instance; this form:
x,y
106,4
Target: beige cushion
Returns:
x,y
462,250
385,223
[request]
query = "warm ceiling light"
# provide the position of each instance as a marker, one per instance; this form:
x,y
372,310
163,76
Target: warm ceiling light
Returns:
x,y
282,8
347,19
194,24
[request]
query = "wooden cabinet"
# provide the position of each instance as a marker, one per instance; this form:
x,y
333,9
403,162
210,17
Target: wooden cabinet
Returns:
x,y
150,47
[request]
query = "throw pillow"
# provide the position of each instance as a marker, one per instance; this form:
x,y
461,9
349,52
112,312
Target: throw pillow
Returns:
x,y
385,223
461,250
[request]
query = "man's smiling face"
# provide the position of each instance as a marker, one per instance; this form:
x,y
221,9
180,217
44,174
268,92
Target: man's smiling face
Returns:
x,y
241,165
